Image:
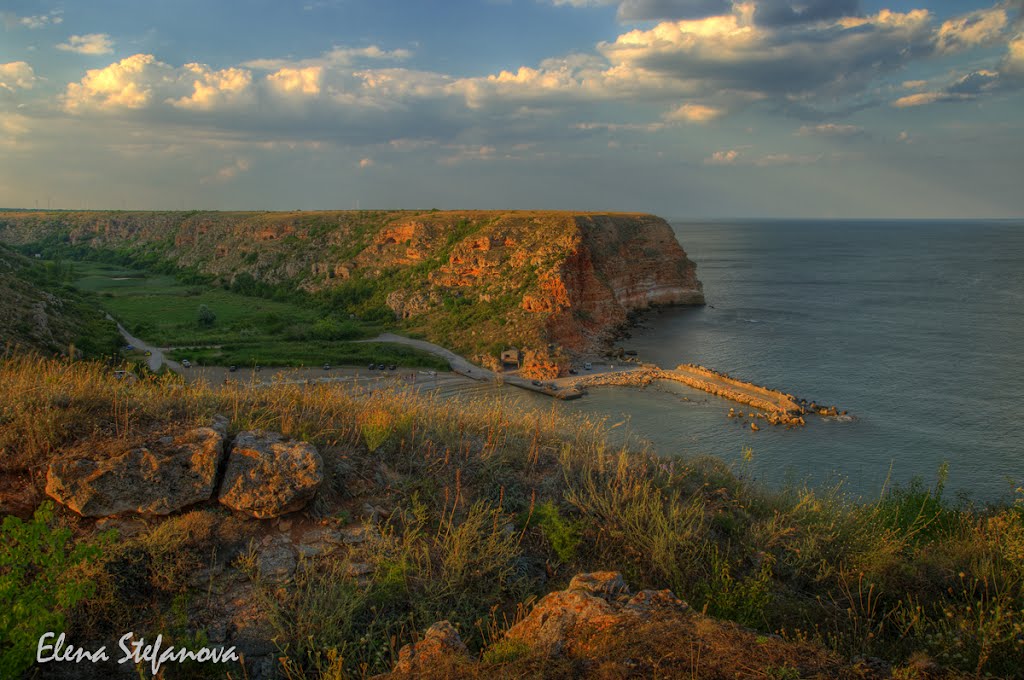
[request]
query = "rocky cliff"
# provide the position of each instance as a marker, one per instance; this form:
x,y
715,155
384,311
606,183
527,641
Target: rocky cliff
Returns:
x,y
555,284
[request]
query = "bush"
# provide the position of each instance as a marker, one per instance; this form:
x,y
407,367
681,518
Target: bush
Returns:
x,y
205,316
38,584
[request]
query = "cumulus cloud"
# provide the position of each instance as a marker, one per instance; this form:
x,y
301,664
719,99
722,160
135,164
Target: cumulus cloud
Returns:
x,y
228,172
830,130
335,57
304,81
734,52
803,59
32,22
212,88
16,75
128,83
967,87
91,43
694,113
727,157
984,27
737,157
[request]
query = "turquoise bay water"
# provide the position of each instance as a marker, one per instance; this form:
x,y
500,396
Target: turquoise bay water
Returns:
x,y
916,328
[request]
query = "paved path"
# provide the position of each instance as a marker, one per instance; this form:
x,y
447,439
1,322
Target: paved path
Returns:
x,y
156,358
463,366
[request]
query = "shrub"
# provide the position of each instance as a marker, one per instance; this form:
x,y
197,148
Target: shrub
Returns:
x,y
563,535
39,584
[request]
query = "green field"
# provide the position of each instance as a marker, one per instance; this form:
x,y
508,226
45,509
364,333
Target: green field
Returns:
x,y
244,330
165,312
310,354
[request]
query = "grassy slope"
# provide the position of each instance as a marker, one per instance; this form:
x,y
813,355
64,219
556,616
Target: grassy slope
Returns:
x,y
482,506
278,254
38,311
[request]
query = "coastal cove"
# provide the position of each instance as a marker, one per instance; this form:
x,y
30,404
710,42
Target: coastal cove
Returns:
x,y
915,327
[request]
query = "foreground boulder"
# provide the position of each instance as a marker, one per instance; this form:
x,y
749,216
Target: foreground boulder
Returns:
x,y
440,648
597,628
268,475
597,601
157,479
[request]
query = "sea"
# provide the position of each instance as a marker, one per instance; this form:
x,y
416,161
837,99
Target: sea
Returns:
x,y
916,328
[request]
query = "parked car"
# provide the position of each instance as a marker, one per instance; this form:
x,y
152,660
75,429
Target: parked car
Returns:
x,y
232,368
573,371
537,383
392,367
380,367
372,367
148,353
186,363
588,366
258,368
327,367
129,348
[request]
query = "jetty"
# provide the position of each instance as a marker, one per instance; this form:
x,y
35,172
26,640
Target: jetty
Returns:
x,y
779,407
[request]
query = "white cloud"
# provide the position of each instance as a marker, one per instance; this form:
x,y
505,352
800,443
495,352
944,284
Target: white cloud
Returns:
x,y
212,89
228,172
695,113
469,153
735,157
128,83
366,163
727,157
17,75
32,22
333,58
983,27
830,130
965,88
1014,62
305,81
92,43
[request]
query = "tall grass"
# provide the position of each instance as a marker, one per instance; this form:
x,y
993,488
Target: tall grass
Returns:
x,y
488,505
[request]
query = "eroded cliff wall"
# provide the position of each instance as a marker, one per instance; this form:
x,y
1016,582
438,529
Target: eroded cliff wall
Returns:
x,y
477,281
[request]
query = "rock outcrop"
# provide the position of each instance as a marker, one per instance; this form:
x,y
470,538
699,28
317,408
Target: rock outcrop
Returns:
x,y
158,479
562,621
441,647
598,628
268,475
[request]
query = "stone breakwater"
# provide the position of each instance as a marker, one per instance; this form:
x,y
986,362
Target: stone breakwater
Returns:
x,y
779,407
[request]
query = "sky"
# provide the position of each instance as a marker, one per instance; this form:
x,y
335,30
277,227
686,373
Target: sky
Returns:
x,y
688,109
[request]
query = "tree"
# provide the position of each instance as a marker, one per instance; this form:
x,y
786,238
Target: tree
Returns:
x,y
206,316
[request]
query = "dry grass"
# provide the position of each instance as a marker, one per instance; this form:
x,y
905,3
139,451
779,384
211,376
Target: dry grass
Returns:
x,y
907,578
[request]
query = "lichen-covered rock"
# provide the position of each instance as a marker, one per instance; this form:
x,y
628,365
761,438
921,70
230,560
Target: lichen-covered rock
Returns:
x,y
441,647
598,601
268,475
157,479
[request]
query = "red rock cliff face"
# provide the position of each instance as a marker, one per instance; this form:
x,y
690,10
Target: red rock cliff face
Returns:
x,y
469,280
621,263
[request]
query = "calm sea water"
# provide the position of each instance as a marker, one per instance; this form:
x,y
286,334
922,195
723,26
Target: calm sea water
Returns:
x,y
916,328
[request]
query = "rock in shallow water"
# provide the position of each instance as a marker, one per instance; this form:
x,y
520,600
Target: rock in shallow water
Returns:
x,y
268,476
158,479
